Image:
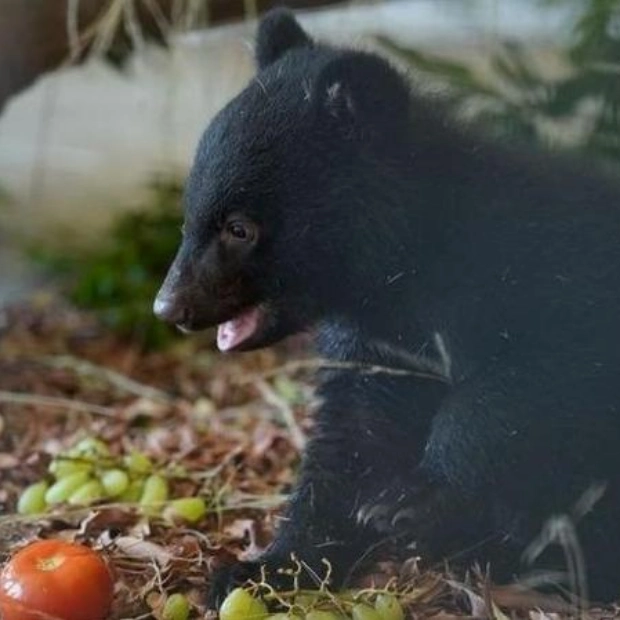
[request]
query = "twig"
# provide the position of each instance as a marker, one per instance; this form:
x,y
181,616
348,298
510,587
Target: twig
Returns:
x,y
73,33
158,16
268,393
118,380
144,616
262,502
250,8
561,530
296,366
107,26
196,13
53,401
130,20
93,32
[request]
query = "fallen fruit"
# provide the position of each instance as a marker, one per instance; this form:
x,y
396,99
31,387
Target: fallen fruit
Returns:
x,y
87,494
115,482
176,607
189,509
91,447
138,463
32,500
389,608
154,495
306,600
62,466
133,492
64,488
241,605
361,611
55,580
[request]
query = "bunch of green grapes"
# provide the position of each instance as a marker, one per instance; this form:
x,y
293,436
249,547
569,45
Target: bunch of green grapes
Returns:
x,y
88,473
366,605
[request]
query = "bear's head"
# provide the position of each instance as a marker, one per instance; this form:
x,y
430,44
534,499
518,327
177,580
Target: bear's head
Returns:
x,y
287,200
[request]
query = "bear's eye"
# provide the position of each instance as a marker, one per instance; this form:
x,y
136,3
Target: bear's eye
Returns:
x,y
240,231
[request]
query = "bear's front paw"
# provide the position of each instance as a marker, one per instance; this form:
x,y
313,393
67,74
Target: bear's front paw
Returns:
x,y
403,509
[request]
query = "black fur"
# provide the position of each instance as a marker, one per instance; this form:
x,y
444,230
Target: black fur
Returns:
x,y
491,276
278,33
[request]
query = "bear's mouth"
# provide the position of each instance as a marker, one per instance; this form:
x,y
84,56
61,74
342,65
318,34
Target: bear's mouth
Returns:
x,y
245,326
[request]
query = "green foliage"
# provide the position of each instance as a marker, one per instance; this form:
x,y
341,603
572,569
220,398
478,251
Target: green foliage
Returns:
x,y
597,32
518,103
119,279
5,197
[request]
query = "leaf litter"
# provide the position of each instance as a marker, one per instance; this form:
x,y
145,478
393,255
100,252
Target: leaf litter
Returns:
x,y
226,429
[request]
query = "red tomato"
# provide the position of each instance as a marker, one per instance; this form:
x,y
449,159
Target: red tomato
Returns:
x,y
55,580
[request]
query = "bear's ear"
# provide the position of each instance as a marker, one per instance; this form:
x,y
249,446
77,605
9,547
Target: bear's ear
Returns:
x,y
278,32
362,87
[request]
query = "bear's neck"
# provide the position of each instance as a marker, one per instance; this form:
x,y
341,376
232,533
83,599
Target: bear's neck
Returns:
x,y
423,199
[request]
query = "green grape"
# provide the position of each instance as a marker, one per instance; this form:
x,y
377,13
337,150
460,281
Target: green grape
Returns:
x,y
115,482
306,600
90,447
155,493
64,488
64,466
133,492
88,493
32,500
177,471
281,615
176,607
241,605
318,614
361,611
138,463
190,509
289,390
389,607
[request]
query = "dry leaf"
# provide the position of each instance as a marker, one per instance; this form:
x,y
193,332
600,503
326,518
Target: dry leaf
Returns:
x,y
143,550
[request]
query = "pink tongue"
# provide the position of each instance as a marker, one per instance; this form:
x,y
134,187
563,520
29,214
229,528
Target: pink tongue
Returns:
x,y
235,331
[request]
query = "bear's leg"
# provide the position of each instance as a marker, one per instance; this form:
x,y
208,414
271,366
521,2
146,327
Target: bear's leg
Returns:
x,y
360,446
509,450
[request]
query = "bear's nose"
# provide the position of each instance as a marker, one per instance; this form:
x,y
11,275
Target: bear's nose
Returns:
x,y
168,310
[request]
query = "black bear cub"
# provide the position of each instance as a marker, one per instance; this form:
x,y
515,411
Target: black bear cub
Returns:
x,y
483,280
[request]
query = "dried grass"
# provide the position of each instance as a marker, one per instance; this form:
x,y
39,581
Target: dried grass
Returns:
x,y
122,18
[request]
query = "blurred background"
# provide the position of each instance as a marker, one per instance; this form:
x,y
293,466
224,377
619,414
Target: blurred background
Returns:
x,y
102,103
